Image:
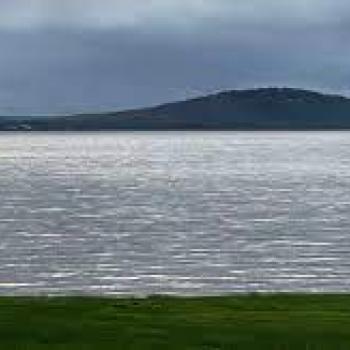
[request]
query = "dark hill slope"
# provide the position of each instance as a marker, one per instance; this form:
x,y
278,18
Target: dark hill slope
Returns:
x,y
269,108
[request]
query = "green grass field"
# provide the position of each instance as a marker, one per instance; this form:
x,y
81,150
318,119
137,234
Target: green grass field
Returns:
x,y
235,322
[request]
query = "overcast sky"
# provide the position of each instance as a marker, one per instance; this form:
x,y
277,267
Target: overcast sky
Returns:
x,y
63,56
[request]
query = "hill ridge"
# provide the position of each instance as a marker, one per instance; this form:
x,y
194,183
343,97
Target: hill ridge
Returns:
x,y
257,108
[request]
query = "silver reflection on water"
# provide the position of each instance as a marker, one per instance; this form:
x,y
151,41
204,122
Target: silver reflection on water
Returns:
x,y
177,212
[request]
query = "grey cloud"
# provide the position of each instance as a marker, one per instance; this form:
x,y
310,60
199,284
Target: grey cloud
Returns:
x,y
59,56
116,13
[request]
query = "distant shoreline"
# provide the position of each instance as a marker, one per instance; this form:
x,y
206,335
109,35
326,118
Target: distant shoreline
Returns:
x,y
172,130
267,109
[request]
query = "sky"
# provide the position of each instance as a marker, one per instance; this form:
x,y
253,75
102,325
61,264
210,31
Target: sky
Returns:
x,y
70,56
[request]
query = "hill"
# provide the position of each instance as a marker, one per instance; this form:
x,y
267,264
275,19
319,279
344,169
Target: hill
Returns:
x,y
254,109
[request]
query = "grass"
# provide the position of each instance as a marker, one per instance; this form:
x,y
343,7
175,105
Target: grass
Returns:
x,y
233,322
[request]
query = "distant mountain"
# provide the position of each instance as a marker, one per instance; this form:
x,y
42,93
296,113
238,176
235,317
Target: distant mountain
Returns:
x,y
255,109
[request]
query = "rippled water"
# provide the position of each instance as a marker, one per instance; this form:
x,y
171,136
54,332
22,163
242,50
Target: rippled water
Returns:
x,y
177,212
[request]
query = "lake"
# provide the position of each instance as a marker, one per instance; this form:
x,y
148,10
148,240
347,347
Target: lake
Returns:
x,y
174,212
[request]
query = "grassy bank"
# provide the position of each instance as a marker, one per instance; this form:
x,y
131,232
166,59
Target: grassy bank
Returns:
x,y
246,322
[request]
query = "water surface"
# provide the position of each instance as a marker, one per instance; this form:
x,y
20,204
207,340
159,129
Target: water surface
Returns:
x,y
174,212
